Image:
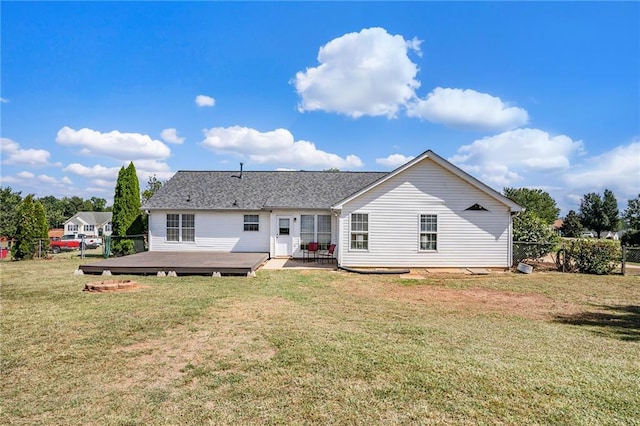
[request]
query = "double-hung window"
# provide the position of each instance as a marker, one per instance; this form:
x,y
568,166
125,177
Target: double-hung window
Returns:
x,y
428,232
359,231
181,227
251,222
89,228
72,227
315,228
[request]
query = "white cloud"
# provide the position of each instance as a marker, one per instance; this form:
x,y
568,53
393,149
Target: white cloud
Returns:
x,y
12,154
114,144
275,147
4,100
617,170
365,73
171,135
95,172
467,109
205,101
394,160
25,175
502,159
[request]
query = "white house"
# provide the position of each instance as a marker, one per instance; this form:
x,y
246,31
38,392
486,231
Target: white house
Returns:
x,y
426,213
89,223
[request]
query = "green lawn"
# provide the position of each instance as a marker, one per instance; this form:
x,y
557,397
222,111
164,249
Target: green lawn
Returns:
x,y
318,347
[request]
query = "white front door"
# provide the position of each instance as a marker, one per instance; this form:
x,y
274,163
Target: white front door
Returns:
x,y
284,236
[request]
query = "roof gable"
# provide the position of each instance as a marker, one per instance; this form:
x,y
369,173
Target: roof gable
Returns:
x,y
90,218
442,163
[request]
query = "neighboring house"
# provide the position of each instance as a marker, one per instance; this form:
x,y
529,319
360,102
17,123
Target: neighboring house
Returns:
x,y
89,223
426,213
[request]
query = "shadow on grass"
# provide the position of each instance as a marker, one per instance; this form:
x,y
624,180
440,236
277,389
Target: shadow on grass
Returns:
x,y
619,322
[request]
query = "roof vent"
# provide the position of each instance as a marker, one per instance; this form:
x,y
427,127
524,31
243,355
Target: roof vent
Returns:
x,y
240,175
476,207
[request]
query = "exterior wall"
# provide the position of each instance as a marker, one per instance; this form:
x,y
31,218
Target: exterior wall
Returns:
x,y
295,231
83,228
465,238
214,231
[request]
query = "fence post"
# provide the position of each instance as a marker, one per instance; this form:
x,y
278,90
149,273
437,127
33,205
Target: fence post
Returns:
x,y
624,260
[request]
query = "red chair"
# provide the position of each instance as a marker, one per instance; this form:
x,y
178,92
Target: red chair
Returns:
x,y
310,253
328,254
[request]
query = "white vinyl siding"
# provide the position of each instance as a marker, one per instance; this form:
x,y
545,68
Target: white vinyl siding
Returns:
x,y
212,231
464,238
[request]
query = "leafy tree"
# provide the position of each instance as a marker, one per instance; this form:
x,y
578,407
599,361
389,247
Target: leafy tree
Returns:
x,y
9,201
632,213
126,201
537,237
153,184
572,227
599,214
54,209
72,206
31,228
610,206
98,204
536,201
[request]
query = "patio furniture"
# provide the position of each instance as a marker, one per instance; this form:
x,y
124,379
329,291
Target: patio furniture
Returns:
x,y
328,254
311,252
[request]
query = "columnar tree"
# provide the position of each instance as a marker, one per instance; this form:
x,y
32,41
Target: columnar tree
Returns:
x,y
31,228
535,201
126,201
571,226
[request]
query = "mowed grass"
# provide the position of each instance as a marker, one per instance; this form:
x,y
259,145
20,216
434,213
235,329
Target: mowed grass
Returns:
x,y
318,347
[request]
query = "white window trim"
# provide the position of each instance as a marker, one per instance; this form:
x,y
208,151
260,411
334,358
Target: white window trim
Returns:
x,y
368,232
179,228
316,232
244,223
437,233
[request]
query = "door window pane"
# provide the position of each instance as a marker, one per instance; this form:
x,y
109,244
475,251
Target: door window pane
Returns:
x,y
283,226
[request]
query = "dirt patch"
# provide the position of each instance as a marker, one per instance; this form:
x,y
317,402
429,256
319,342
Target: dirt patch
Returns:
x,y
111,285
471,301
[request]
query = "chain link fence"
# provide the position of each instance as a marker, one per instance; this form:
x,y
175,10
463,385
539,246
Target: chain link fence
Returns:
x,y
552,257
44,250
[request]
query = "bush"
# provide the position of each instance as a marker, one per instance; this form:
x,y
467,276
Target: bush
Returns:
x,y
532,237
122,247
588,256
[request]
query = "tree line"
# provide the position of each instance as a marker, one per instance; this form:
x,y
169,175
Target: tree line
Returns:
x,y
28,220
597,213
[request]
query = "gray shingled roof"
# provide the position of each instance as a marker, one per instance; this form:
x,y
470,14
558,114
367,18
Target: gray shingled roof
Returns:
x,y
201,190
95,218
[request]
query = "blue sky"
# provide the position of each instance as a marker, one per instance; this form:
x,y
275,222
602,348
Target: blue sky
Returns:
x,y
541,95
